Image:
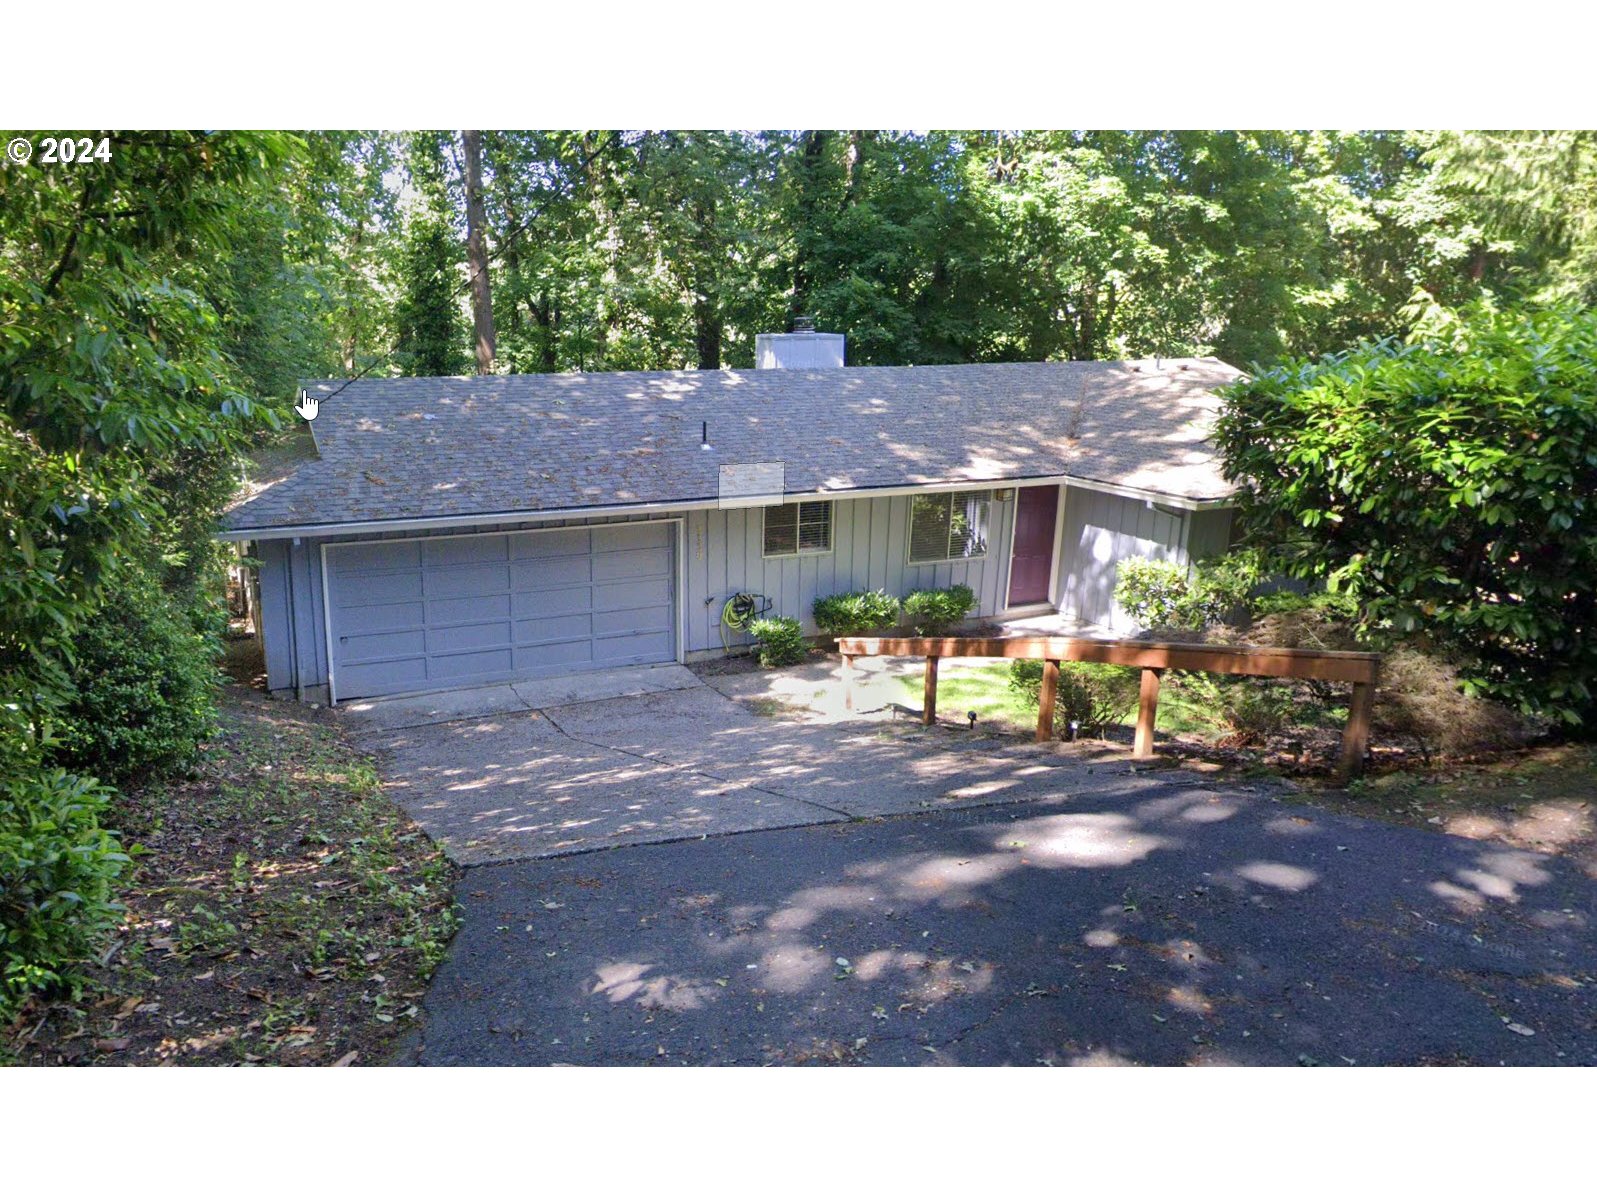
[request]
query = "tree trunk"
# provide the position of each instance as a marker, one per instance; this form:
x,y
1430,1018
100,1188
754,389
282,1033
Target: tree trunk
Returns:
x,y
707,329
814,155
546,313
482,311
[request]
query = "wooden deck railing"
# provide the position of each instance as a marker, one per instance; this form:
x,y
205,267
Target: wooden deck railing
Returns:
x,y
1152,657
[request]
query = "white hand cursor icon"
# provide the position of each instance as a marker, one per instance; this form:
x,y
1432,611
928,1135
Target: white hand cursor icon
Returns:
x,y
307,406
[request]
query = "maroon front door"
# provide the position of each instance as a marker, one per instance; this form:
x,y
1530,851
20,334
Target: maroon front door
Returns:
x,y
1032,565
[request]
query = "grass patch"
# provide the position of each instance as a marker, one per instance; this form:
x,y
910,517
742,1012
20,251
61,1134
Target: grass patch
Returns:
x,y
282,911
985,689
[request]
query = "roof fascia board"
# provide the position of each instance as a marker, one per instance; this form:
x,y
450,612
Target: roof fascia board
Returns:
x,y
425,523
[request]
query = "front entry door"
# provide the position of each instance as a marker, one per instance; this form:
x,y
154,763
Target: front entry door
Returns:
x,y
1031,566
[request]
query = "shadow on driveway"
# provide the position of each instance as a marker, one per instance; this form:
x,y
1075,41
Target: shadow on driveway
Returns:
x,y
1166,924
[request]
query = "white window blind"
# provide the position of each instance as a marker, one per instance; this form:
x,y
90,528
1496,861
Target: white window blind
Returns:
x,y
798,528
948,527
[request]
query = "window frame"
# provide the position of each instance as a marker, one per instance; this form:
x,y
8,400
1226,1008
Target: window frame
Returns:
x,y
798,525
949,496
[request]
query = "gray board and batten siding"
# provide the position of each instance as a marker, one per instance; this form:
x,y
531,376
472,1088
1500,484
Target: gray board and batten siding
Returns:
x,y
1101,530
453,615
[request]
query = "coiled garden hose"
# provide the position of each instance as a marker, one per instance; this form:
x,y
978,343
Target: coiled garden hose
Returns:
x,y
740,611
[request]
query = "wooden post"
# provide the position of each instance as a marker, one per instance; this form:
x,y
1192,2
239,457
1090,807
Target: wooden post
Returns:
x,y
1147,712
928,714
1045,701
1356,735
848,682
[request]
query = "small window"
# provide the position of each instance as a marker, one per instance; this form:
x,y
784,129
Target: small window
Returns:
x,y
948,527
798,528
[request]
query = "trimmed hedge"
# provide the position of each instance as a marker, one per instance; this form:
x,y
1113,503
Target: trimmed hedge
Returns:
x,y
933,612
856,612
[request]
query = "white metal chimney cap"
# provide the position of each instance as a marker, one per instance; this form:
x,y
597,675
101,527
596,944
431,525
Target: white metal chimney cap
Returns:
x,y
798,351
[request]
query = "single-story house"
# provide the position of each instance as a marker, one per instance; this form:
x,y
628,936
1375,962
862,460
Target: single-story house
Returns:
x,y
455,531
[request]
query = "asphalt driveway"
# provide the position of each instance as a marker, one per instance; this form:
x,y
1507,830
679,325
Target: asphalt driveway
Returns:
x,y
901,896
1169,923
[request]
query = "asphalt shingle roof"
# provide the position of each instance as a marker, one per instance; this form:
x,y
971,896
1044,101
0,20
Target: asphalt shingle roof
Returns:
x,y
405,448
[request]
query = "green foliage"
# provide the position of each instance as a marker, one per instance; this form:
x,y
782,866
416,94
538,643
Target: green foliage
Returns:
x,y
429,319
121,410
933,612
1093,697
1538,187
144,687
1162,594
856,612
58,869
781,641
1448,486
1153,593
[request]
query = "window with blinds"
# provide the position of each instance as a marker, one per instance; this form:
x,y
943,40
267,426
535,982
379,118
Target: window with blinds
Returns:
x,y
948,527
795,528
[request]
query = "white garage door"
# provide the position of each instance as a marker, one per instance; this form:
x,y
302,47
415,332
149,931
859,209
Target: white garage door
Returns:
x,y
443,611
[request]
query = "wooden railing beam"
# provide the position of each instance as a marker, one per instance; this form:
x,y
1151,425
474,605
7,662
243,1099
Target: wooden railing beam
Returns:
x,y
1311,664
1152,658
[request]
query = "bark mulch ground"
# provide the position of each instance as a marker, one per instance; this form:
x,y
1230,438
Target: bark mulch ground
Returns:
x,y
281,911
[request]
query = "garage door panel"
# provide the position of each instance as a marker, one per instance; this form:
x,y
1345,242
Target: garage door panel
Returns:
x,y
358,647
559,627
468,580
634,649
385,617
363,589
546,658
459,610
631,563
540,604
637,619
628,595
378,554
381,677
610,537
473,635
461,666
556,571
464,550
466,610
566,542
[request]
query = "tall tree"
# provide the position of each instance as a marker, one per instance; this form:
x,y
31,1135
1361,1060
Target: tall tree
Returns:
x,y
429,324
482,308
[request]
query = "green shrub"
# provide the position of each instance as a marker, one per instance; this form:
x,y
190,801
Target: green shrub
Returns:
x,y
145,687
781,641
855,613
1093,697
1163,594
57,872
1152,592
1447,483
933,612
